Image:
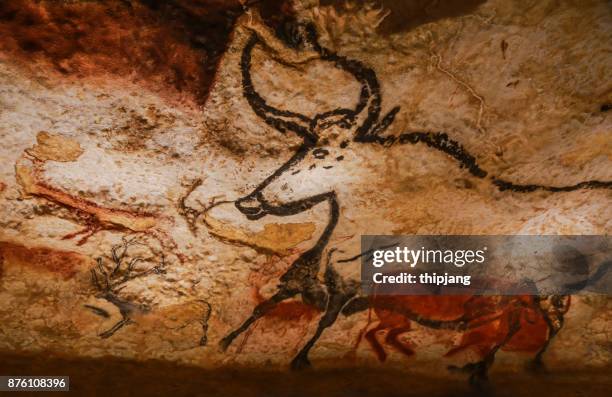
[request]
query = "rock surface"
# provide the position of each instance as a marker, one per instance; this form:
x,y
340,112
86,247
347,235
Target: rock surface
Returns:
x,y
119,235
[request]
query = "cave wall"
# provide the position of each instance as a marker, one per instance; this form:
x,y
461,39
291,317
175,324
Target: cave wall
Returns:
x,y
127,138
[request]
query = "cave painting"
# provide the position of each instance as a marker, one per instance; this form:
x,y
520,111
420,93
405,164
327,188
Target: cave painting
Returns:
x,y
109,278
329,139
519,323
29,174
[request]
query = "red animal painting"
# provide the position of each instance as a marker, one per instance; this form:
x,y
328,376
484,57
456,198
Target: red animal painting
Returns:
x,y
521,323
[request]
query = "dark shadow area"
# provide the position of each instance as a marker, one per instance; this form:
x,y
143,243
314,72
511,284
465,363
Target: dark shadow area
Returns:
x,y
119,377
172,43
176,44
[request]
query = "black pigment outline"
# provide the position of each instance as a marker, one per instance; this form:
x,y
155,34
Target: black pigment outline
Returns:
x,y
301,278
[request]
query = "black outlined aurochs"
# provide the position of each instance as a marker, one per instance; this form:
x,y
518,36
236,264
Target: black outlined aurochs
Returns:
x,y
318,153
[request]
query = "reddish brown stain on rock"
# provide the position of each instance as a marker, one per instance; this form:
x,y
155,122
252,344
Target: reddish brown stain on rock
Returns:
x,y
177,48
1,263
293,311
65,264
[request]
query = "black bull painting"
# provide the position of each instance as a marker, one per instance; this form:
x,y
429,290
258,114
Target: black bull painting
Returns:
x,y
504,320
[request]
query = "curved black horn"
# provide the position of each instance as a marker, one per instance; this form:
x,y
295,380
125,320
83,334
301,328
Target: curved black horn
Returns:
x,y
369,96
282,120
303,126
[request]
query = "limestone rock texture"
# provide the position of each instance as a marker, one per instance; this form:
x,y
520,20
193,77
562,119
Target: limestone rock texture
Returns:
x,y
127,138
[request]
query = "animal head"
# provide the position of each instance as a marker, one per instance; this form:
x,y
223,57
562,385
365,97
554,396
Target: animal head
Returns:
x,y
312,170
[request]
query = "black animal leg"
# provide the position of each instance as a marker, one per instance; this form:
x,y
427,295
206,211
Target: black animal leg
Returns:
x,y
334,306
125,308
479,371
554,326
112,330
339,295
259,311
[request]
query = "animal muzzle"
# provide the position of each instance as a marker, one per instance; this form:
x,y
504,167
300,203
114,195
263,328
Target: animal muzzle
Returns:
x,y
251,206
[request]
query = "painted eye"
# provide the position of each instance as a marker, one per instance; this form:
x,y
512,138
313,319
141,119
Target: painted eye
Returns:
x,y
320,153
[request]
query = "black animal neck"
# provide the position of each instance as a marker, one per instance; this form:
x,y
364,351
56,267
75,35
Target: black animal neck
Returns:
x,y
334,215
